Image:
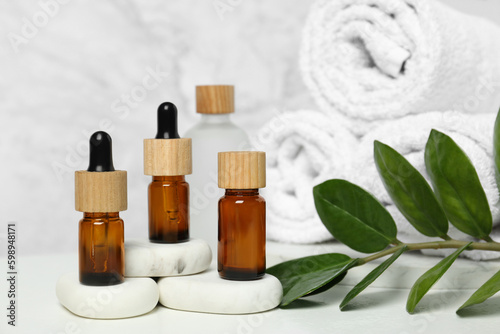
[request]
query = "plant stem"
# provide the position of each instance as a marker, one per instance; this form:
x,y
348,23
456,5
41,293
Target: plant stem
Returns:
x,y
489,246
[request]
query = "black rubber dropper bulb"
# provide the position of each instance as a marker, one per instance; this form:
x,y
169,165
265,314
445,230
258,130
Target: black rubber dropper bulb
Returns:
x,y
167,121
101,157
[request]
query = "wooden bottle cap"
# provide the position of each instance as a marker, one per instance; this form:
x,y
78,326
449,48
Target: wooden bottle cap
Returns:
x,y
215,99
100,191
167,157
242,170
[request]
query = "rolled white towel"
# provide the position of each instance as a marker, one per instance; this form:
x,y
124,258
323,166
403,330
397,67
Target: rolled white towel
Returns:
x,y
408,136
304,148
370,60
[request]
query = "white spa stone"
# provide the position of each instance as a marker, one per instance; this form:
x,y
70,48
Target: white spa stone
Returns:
x,y
208,293
133,297
147,259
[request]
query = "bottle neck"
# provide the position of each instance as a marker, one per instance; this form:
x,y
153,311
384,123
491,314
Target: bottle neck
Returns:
x,y
242,192
215,118
101,215
172,178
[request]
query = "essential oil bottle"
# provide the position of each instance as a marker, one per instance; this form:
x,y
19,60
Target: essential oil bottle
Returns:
x,y
242,216
167,158
101,193
215,132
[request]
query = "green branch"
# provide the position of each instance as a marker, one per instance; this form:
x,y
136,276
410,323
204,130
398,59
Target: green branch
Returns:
x,y
454,244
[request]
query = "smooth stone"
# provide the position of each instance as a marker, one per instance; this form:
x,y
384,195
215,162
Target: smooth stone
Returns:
x,y
147,259
133,297
208,293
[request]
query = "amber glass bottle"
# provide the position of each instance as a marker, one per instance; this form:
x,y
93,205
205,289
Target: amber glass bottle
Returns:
x,y
242,234
167,158
242,216
101,246
100,193
168,209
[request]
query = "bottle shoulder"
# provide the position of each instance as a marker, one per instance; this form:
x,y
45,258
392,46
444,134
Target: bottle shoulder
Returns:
x,y
156,184
218,139
242,199
99,221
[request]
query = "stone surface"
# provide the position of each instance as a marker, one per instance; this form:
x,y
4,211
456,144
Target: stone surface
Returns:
x,y
146,259
131,298
208,293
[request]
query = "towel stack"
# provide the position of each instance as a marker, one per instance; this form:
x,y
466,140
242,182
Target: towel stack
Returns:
x,y
304,148
389,70
367,61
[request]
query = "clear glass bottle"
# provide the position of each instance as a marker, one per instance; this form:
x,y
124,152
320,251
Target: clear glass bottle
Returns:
x,y
167,158
101,193
241,253
215,132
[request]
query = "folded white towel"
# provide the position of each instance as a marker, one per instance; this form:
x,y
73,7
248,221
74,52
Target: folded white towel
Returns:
x,y
304,148
369,60
408,136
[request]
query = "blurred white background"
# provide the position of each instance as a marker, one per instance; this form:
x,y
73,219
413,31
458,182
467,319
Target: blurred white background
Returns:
x,y
106,65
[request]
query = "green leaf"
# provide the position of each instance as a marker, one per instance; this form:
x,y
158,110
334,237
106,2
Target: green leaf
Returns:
x,y
410,192
328,285
371,277
488,289
427,280
496,148
457,186
302,276
353,216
